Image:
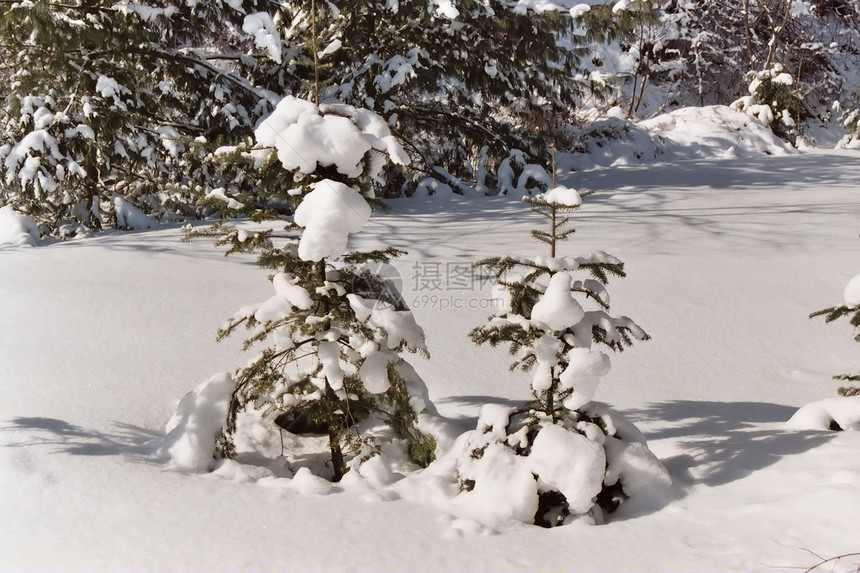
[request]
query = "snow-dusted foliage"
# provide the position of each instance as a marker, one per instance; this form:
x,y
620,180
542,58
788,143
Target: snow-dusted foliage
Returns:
x,y
335,328
87,118
706,52
775,101
850,309
561,456
849,118
466,121
124,98
529,468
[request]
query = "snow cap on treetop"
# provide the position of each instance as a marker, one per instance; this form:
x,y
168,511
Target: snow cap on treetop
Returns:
x,y
305,135
563,196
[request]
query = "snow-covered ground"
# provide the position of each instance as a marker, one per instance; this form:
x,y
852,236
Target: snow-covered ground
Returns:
x,y
725,259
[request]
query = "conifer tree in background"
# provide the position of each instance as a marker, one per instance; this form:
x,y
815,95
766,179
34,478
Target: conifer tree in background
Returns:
x,y
851,310
458,116
106,97
113,97
708,52
568,449
335,327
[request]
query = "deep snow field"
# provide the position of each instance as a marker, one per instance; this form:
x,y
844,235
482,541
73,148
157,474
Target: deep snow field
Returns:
x,y
725,259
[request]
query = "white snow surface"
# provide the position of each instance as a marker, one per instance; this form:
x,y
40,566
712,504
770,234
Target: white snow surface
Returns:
x,y
725,260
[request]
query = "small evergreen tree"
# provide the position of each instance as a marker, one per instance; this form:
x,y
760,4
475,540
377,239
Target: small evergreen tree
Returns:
x,y
851,310
335,327
563,451
543,324
775,100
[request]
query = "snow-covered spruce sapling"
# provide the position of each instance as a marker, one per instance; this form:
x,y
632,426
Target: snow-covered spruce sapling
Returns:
x,y
775,100
335,328
562,455
850,309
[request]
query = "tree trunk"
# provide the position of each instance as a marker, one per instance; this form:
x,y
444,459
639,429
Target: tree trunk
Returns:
x,y
337,462
748,35
334,431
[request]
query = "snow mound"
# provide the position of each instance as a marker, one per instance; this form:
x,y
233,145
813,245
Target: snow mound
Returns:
x,y
521,467
585,368
711,132
852,293
17,230
569,463
306,483
196,425
838,413
130,217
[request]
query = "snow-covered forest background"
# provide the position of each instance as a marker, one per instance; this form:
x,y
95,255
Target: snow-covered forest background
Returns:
x,y
410,360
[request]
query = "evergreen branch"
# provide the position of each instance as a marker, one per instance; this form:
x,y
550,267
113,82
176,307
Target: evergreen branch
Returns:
x,y
240,83
601,271
592,295
832,313
378,256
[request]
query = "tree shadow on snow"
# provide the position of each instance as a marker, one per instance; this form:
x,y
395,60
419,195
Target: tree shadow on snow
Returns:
x,y
651,198
723,441
126,440
790,170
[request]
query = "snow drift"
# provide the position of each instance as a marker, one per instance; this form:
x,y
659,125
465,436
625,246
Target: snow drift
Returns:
x,y
711,132
17,230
